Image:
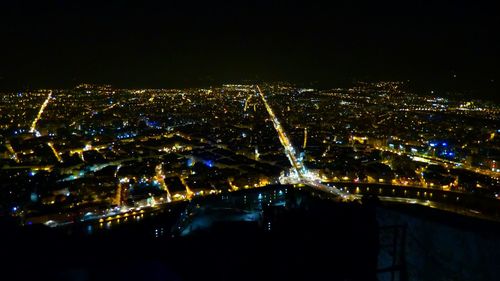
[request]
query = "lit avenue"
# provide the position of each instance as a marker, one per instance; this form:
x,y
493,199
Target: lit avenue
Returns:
x,y
104,155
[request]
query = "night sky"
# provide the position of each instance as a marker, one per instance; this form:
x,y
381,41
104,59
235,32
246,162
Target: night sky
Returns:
x,y
189,43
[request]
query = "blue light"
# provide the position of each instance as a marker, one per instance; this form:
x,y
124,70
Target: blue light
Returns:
x,y
14,209
152,123
445,144
432,144
208,163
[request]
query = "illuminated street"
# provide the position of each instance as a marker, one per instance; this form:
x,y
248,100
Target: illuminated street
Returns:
x,y
39,115
299,169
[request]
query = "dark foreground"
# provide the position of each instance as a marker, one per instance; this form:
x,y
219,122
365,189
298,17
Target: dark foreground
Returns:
x,y
297,236
307,240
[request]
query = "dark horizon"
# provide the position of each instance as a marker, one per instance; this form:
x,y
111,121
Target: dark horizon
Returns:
x,y
447,46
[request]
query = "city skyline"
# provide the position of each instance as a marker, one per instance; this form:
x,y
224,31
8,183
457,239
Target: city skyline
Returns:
x,y
368,133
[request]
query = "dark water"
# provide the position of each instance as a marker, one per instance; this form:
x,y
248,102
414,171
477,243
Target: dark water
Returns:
x,y
300,237
273,233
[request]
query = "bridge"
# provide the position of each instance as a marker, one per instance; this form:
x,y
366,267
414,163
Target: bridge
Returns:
x,y
463,203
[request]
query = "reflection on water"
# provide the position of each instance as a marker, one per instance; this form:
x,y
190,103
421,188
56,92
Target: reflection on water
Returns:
x,y
168,220
159,232
90,229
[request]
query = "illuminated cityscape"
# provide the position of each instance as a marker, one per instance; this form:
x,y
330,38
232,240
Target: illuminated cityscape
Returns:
x,y
95,152
97,157
254,140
